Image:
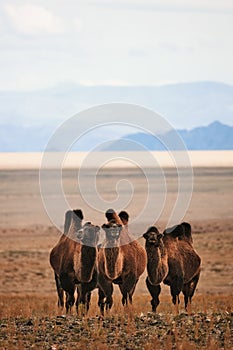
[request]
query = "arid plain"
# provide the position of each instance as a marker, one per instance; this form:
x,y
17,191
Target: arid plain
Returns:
x,y
27,288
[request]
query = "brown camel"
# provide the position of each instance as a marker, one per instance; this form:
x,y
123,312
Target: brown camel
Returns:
x,y
73,260
173,261
118,263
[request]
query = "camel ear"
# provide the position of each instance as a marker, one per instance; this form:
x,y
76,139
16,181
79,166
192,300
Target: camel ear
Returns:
x,y
68,217
160,236
145,235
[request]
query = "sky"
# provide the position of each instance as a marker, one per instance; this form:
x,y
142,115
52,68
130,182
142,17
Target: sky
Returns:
x,y
114,42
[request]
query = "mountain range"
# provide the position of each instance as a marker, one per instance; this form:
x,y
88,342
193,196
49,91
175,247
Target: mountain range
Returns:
x,y
201,112
215,136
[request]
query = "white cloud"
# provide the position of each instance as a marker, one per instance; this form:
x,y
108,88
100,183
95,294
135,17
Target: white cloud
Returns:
x,y
223,6
33,19
114,45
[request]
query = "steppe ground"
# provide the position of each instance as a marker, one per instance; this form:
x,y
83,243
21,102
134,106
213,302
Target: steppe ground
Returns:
x,y
29,316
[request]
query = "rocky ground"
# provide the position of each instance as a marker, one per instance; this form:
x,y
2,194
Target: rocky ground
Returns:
x,y
144,331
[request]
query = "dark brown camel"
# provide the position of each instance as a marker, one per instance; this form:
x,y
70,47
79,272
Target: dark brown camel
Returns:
x,y
118,263
73,260
173,261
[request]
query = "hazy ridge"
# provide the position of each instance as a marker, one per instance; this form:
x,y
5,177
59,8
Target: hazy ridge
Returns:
x,y
28,119
215,136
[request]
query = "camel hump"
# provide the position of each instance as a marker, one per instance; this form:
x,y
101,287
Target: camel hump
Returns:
x,y
76,215
181,231
187,230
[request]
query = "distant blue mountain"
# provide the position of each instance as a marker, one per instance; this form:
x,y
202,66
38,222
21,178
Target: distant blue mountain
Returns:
x,y
28,118
215,136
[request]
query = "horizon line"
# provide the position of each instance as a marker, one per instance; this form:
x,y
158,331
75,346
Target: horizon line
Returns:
x,y
113,85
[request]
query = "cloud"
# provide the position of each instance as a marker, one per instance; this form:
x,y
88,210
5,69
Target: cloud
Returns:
x,y
33,19
206,6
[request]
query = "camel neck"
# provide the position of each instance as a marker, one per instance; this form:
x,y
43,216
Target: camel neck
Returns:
x,y
112,261
156,263
74,227
88,261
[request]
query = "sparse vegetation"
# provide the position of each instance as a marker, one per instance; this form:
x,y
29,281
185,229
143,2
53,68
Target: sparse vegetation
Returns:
x,y
30,319
32,322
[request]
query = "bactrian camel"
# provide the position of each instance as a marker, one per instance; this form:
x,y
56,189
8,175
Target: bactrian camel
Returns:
x,y
118,263
171,259
74,259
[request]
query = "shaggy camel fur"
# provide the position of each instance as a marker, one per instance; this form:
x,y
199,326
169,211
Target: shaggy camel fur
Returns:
x,y
73,260
118,263
173,261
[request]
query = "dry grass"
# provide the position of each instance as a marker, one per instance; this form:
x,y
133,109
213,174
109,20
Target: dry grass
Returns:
x,y
34,322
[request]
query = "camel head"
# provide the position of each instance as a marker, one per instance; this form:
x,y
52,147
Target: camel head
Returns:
x,y
89,234
112,231
153,237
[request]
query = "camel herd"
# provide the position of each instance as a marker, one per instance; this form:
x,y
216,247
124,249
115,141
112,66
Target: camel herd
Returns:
x,y
80,264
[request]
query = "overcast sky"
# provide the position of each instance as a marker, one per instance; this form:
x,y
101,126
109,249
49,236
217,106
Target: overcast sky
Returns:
x,y
114,42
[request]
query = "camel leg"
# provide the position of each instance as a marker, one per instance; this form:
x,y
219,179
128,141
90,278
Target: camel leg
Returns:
x,y
84,292
69,300
105,290
185,291
82,302
189,289
101,302
89,287
124,299
132,292
127,287
60,291
154,292
88,298
69,287
84,296
175,288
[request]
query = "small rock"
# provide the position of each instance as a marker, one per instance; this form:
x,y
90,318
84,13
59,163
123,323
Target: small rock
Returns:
x,y
29,323
61,316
